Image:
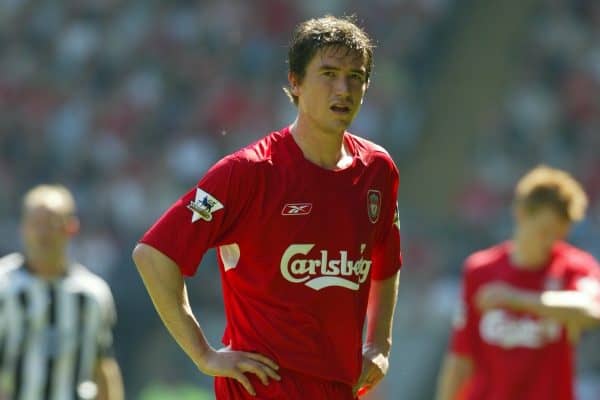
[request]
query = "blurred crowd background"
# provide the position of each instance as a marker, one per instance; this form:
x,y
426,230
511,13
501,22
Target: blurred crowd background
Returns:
x,y
128,102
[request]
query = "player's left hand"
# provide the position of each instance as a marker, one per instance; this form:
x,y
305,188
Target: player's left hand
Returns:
x,y
494,295
375,365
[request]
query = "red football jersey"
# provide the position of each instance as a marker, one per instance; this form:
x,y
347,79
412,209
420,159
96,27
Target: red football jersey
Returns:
x,y
518,355
297,248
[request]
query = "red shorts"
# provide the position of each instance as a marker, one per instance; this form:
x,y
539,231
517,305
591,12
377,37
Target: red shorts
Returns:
x,y
292,386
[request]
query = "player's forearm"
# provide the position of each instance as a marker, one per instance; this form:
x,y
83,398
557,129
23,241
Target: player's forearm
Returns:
x,y
454,373
109,380
569,307
166,288
380,312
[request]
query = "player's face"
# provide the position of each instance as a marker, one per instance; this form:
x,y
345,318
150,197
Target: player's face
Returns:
x,y
539,230
331,93
45,232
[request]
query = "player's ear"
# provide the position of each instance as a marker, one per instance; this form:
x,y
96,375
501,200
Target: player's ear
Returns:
x,y
294,83
72,225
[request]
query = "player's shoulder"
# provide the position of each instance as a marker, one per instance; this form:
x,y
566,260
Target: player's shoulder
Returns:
x,y
244,161
89,283
576,258
368,147
486,260
260,151
11,272
370,151
10,263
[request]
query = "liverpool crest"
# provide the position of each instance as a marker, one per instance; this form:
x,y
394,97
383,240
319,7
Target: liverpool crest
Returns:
x,y
373,205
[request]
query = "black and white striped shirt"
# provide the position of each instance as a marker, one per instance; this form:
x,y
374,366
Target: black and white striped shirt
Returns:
x,y
51,332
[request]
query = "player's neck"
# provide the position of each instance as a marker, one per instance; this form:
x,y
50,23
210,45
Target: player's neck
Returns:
x,y
47,267
523,256
327,150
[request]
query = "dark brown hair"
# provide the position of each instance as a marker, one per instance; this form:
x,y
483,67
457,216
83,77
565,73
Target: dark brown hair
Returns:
x,y
315,34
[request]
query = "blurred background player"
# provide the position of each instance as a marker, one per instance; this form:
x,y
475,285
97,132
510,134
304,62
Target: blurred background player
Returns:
x,y
307,230
525,301
55,315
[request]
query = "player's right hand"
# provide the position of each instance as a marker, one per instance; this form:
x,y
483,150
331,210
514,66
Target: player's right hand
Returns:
x,y
235,364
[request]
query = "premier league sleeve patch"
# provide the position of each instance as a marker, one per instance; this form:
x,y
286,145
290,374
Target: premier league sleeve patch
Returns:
x,y
203,206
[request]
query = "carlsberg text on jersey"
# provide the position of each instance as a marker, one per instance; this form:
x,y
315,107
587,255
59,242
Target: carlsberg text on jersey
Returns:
x,y
323,272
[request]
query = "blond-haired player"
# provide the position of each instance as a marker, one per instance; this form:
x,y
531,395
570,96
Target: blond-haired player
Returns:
x,y
525,301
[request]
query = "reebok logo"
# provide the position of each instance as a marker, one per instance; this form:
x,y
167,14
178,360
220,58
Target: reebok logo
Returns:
x,y
297,209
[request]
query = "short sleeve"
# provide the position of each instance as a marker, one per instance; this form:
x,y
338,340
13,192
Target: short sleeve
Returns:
x,y
203,217
464,326
387,257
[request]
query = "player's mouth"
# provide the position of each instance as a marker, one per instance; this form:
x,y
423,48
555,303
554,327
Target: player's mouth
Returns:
x,y
341,109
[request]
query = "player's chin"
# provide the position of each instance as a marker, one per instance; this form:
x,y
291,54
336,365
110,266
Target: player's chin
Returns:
x,y
342,122
345,116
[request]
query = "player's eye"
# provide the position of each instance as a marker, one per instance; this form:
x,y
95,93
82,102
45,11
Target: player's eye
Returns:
x,y
357,77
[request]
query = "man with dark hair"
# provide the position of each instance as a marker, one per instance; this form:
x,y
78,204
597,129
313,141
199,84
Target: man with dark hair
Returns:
x,y
315,34
306,226
525,302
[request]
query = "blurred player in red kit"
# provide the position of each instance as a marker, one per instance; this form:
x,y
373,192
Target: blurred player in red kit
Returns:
x,y
306,227
525,301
